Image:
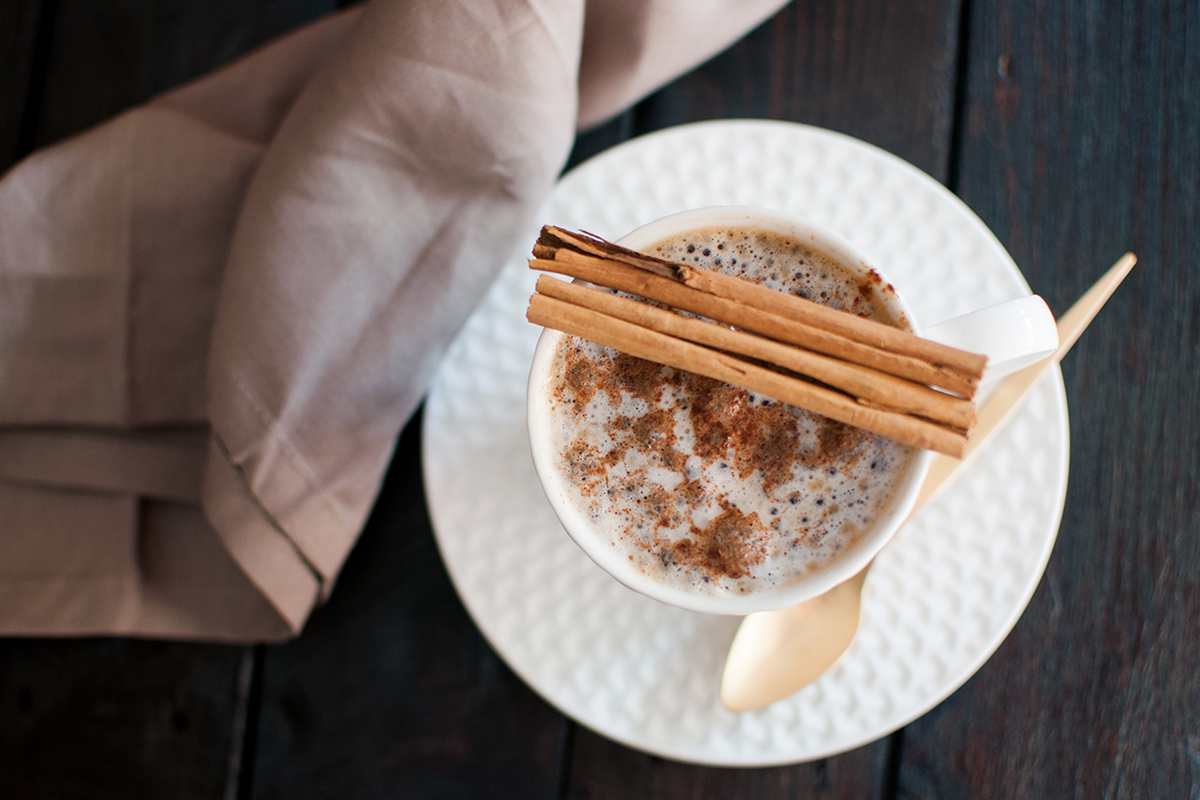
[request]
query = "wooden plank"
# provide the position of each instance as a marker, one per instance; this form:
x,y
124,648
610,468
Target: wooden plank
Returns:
x,y
432,713
18,46
604,769
391,691
106,57
117,718
880,70
1082,140
120,718
600,138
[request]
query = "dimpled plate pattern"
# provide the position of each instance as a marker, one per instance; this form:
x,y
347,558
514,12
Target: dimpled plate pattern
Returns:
x,y
940,598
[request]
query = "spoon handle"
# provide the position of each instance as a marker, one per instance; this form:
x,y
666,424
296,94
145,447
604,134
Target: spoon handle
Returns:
x,y
777,653
996,412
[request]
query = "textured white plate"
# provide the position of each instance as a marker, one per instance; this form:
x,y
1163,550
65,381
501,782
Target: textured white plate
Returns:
x,y
940,598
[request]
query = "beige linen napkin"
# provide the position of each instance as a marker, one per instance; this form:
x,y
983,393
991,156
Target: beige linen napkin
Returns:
x,y
218,310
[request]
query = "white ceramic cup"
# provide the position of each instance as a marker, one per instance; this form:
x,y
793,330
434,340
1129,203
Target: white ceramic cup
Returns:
x,y
1012,335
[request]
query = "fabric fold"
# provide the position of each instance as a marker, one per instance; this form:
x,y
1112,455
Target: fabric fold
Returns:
x,y
218,310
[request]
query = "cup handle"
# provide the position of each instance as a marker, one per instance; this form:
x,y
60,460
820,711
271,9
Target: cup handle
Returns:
x,y
1012,335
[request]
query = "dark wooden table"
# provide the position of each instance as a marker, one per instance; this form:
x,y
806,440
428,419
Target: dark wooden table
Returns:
x,y
1071,128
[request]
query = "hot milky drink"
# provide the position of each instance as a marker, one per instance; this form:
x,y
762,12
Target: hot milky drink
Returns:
x,y
710,487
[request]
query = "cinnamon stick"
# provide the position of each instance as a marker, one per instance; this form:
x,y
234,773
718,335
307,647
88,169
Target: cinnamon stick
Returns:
x,y
664,349
552,239
876,334
968,366
871,387
634,280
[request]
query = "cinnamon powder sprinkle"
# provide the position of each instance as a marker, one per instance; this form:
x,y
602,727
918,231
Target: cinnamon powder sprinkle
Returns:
x,y
647,446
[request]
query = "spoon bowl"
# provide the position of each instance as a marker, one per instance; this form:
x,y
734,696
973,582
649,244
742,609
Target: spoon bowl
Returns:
x,y
789,649
777,653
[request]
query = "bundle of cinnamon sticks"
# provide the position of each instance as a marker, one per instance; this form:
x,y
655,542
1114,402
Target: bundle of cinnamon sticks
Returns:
x,y
857,371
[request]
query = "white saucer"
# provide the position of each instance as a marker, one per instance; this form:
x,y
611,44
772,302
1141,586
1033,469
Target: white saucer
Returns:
x,y
941,597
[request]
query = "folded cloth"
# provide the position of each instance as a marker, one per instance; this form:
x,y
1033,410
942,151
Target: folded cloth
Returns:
x,y
218,310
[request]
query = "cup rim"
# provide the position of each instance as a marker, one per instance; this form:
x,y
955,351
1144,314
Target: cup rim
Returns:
x,y
609,558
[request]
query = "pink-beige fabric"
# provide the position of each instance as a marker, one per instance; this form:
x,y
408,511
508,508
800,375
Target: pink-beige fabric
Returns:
x,y
218,310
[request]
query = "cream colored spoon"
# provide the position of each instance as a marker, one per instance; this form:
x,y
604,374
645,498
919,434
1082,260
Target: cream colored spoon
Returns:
x,y
777,653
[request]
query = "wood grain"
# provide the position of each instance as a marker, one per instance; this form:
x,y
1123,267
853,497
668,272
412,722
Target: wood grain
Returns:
x,y
880,70
106,57
118,718
1082,140
18,50
602,769
598,139
391,691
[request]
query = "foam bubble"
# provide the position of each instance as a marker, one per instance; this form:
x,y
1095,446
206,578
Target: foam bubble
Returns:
x,y
708,487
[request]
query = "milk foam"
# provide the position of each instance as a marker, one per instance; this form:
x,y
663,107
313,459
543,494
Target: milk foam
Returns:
x,y
708,487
